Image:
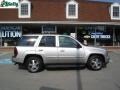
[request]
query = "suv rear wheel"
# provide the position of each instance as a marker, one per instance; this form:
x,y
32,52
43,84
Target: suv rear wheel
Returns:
x,y
95,62
34,64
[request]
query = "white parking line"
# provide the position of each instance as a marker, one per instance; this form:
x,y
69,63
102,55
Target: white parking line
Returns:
x,y
6,61
111,61
4,53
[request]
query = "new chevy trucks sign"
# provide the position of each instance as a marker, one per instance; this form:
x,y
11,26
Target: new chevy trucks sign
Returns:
x,y
9,3
100,35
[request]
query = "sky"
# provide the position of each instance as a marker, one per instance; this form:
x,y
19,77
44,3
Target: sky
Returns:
x,y
107,0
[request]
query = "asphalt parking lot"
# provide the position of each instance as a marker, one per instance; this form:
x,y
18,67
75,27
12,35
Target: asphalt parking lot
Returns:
x,y
12,78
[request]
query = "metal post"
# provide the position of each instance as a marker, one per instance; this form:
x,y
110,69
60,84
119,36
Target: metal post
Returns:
x,y
95,37
56,29
1,38
113,36
76,32
42,29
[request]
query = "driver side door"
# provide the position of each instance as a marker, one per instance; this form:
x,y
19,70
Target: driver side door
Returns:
x,y
69,50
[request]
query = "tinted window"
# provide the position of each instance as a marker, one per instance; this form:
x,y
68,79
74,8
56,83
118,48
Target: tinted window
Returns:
x,y
67,42
27,41
72,8
47,41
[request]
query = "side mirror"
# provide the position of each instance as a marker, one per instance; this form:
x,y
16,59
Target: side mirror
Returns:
x,y
79,46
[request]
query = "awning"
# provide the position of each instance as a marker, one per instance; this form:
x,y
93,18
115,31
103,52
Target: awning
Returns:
x,y
60,22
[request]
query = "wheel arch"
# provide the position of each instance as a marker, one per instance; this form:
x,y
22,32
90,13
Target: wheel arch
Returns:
x,y
32,55
93,54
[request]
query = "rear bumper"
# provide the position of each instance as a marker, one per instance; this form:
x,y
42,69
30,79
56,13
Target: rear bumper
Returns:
x,y
17,60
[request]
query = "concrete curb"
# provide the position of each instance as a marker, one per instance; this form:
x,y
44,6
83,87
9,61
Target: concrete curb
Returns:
x,y
4,53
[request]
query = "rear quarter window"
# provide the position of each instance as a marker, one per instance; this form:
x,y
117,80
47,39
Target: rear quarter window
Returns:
x,y
47,41
27,41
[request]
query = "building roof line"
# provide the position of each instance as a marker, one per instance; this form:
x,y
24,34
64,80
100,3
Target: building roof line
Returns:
x,y
105,1
60,22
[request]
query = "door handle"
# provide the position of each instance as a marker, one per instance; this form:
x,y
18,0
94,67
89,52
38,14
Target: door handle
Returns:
x,y
61,50
40,50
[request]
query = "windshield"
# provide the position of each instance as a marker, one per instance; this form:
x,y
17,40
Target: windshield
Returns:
x,y
27,41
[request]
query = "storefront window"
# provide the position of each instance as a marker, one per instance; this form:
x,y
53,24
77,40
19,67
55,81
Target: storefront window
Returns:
x,y
9,34
95,35
66,29
103,36
49,29
116,36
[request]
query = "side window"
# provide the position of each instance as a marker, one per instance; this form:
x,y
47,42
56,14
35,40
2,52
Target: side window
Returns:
x,y
47,41
27,41
67,42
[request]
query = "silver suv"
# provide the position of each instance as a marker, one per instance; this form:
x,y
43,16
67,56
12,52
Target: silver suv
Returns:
x,y
36,51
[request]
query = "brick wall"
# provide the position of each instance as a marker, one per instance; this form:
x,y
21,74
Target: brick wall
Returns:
x,y
54,10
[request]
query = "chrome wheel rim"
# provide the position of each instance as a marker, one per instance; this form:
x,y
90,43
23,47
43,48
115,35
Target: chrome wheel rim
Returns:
x,y
96,63
33,65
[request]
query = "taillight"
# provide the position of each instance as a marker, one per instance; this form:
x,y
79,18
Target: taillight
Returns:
x,y
15,52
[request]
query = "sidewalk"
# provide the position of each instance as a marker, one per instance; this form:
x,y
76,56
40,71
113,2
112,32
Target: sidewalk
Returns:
x,y
6,49
112,48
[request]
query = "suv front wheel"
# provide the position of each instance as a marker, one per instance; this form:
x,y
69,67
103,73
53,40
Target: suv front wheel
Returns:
x,y
95,62
34,64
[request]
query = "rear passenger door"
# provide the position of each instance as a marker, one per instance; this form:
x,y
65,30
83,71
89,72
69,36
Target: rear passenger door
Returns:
x,y
47,47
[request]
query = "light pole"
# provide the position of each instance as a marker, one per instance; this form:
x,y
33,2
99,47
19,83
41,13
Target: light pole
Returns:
x,y
95,37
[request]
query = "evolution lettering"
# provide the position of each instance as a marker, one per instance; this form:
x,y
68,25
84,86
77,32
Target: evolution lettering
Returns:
x,y
12,34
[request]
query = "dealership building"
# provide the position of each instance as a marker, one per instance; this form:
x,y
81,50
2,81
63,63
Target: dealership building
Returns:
x,y
93,22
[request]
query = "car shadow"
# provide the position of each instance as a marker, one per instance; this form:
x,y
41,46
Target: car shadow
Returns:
x,y
64,67
48,88
58,67
77,69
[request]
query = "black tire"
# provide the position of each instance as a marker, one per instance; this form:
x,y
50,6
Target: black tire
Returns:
x,y
21,66
95,62
34,64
